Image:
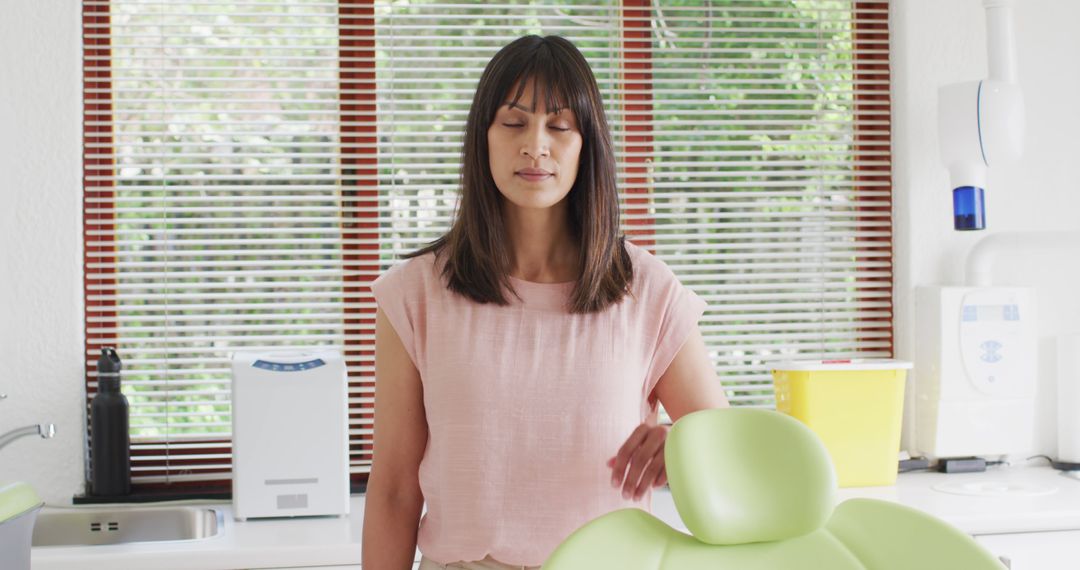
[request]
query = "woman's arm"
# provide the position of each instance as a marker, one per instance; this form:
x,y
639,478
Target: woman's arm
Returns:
x,y
689,384
393,500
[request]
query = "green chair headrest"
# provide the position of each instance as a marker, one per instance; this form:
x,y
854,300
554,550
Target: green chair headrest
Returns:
x,y
748,475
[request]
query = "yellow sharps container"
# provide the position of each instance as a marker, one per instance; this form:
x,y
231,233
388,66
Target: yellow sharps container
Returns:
x,y
855,406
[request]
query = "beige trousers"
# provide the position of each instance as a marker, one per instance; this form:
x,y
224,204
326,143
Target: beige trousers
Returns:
x,y
487,563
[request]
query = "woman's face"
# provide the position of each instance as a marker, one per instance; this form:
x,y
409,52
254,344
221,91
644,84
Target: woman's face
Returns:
x,y
534,155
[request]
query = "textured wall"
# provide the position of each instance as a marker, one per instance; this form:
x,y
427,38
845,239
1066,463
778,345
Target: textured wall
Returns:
x,y
40,243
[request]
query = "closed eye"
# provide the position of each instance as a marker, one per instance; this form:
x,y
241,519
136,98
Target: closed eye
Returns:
x,y
520,125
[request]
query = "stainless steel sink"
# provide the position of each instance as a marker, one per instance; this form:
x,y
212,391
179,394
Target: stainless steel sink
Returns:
x,y
122,525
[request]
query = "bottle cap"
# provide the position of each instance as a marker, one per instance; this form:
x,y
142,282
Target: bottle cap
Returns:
x,y
109,363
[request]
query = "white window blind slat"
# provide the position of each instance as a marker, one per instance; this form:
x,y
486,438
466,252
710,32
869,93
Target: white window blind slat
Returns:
x,y
246,178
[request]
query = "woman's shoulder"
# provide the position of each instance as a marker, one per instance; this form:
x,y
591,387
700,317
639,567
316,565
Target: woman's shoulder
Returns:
x,y
414,271
649,270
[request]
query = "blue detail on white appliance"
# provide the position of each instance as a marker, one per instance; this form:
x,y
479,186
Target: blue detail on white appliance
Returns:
x,y
289,366
996,345
991,351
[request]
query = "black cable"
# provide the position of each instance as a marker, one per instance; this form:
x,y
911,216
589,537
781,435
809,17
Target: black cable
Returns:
x,y
1059,465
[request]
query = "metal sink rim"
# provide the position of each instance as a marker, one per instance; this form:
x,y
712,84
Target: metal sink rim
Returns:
x,y
216,514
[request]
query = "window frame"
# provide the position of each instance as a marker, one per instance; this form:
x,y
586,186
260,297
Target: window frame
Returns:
x,y
357,44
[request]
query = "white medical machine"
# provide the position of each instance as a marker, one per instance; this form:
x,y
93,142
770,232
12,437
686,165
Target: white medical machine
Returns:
x,y
981,123
976,349
290,434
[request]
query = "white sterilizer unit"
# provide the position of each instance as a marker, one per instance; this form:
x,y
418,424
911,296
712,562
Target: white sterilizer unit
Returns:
x,y
290,434
975,371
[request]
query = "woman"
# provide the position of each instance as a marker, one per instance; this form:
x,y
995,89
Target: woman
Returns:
x,y
520,358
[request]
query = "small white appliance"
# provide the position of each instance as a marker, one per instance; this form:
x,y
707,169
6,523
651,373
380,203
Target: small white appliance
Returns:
x,y
976,355
290,434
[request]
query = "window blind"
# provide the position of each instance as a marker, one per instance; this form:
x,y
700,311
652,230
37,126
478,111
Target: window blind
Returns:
x,y
250,166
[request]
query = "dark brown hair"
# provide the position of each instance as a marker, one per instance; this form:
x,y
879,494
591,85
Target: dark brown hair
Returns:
x,y
478,260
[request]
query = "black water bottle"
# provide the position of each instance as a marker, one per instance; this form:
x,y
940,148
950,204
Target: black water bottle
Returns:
x,y
110,459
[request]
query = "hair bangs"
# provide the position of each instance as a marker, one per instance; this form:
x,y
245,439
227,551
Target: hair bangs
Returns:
x,y
549,84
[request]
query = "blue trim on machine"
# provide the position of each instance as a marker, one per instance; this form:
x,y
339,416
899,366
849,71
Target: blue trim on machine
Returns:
x,y
289,366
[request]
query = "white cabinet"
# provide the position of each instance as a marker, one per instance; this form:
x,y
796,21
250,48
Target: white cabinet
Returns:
x,y
1035,550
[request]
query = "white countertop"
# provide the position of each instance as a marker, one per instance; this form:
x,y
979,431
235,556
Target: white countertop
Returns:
x,y
1043,499
284,543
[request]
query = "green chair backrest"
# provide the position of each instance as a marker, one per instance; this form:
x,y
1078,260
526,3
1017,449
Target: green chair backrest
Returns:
x,y
17,498
756,490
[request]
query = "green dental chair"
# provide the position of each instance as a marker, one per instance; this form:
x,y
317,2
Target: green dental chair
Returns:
x,y
757,490
19,506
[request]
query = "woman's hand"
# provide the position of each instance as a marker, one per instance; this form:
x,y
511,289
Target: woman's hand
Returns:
x,y
640,461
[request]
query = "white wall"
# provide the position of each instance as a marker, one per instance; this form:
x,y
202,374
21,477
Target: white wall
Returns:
x,y
937,42
40,243
934,42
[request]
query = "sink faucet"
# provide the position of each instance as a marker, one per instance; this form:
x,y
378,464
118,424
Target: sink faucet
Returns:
x,y
46,431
